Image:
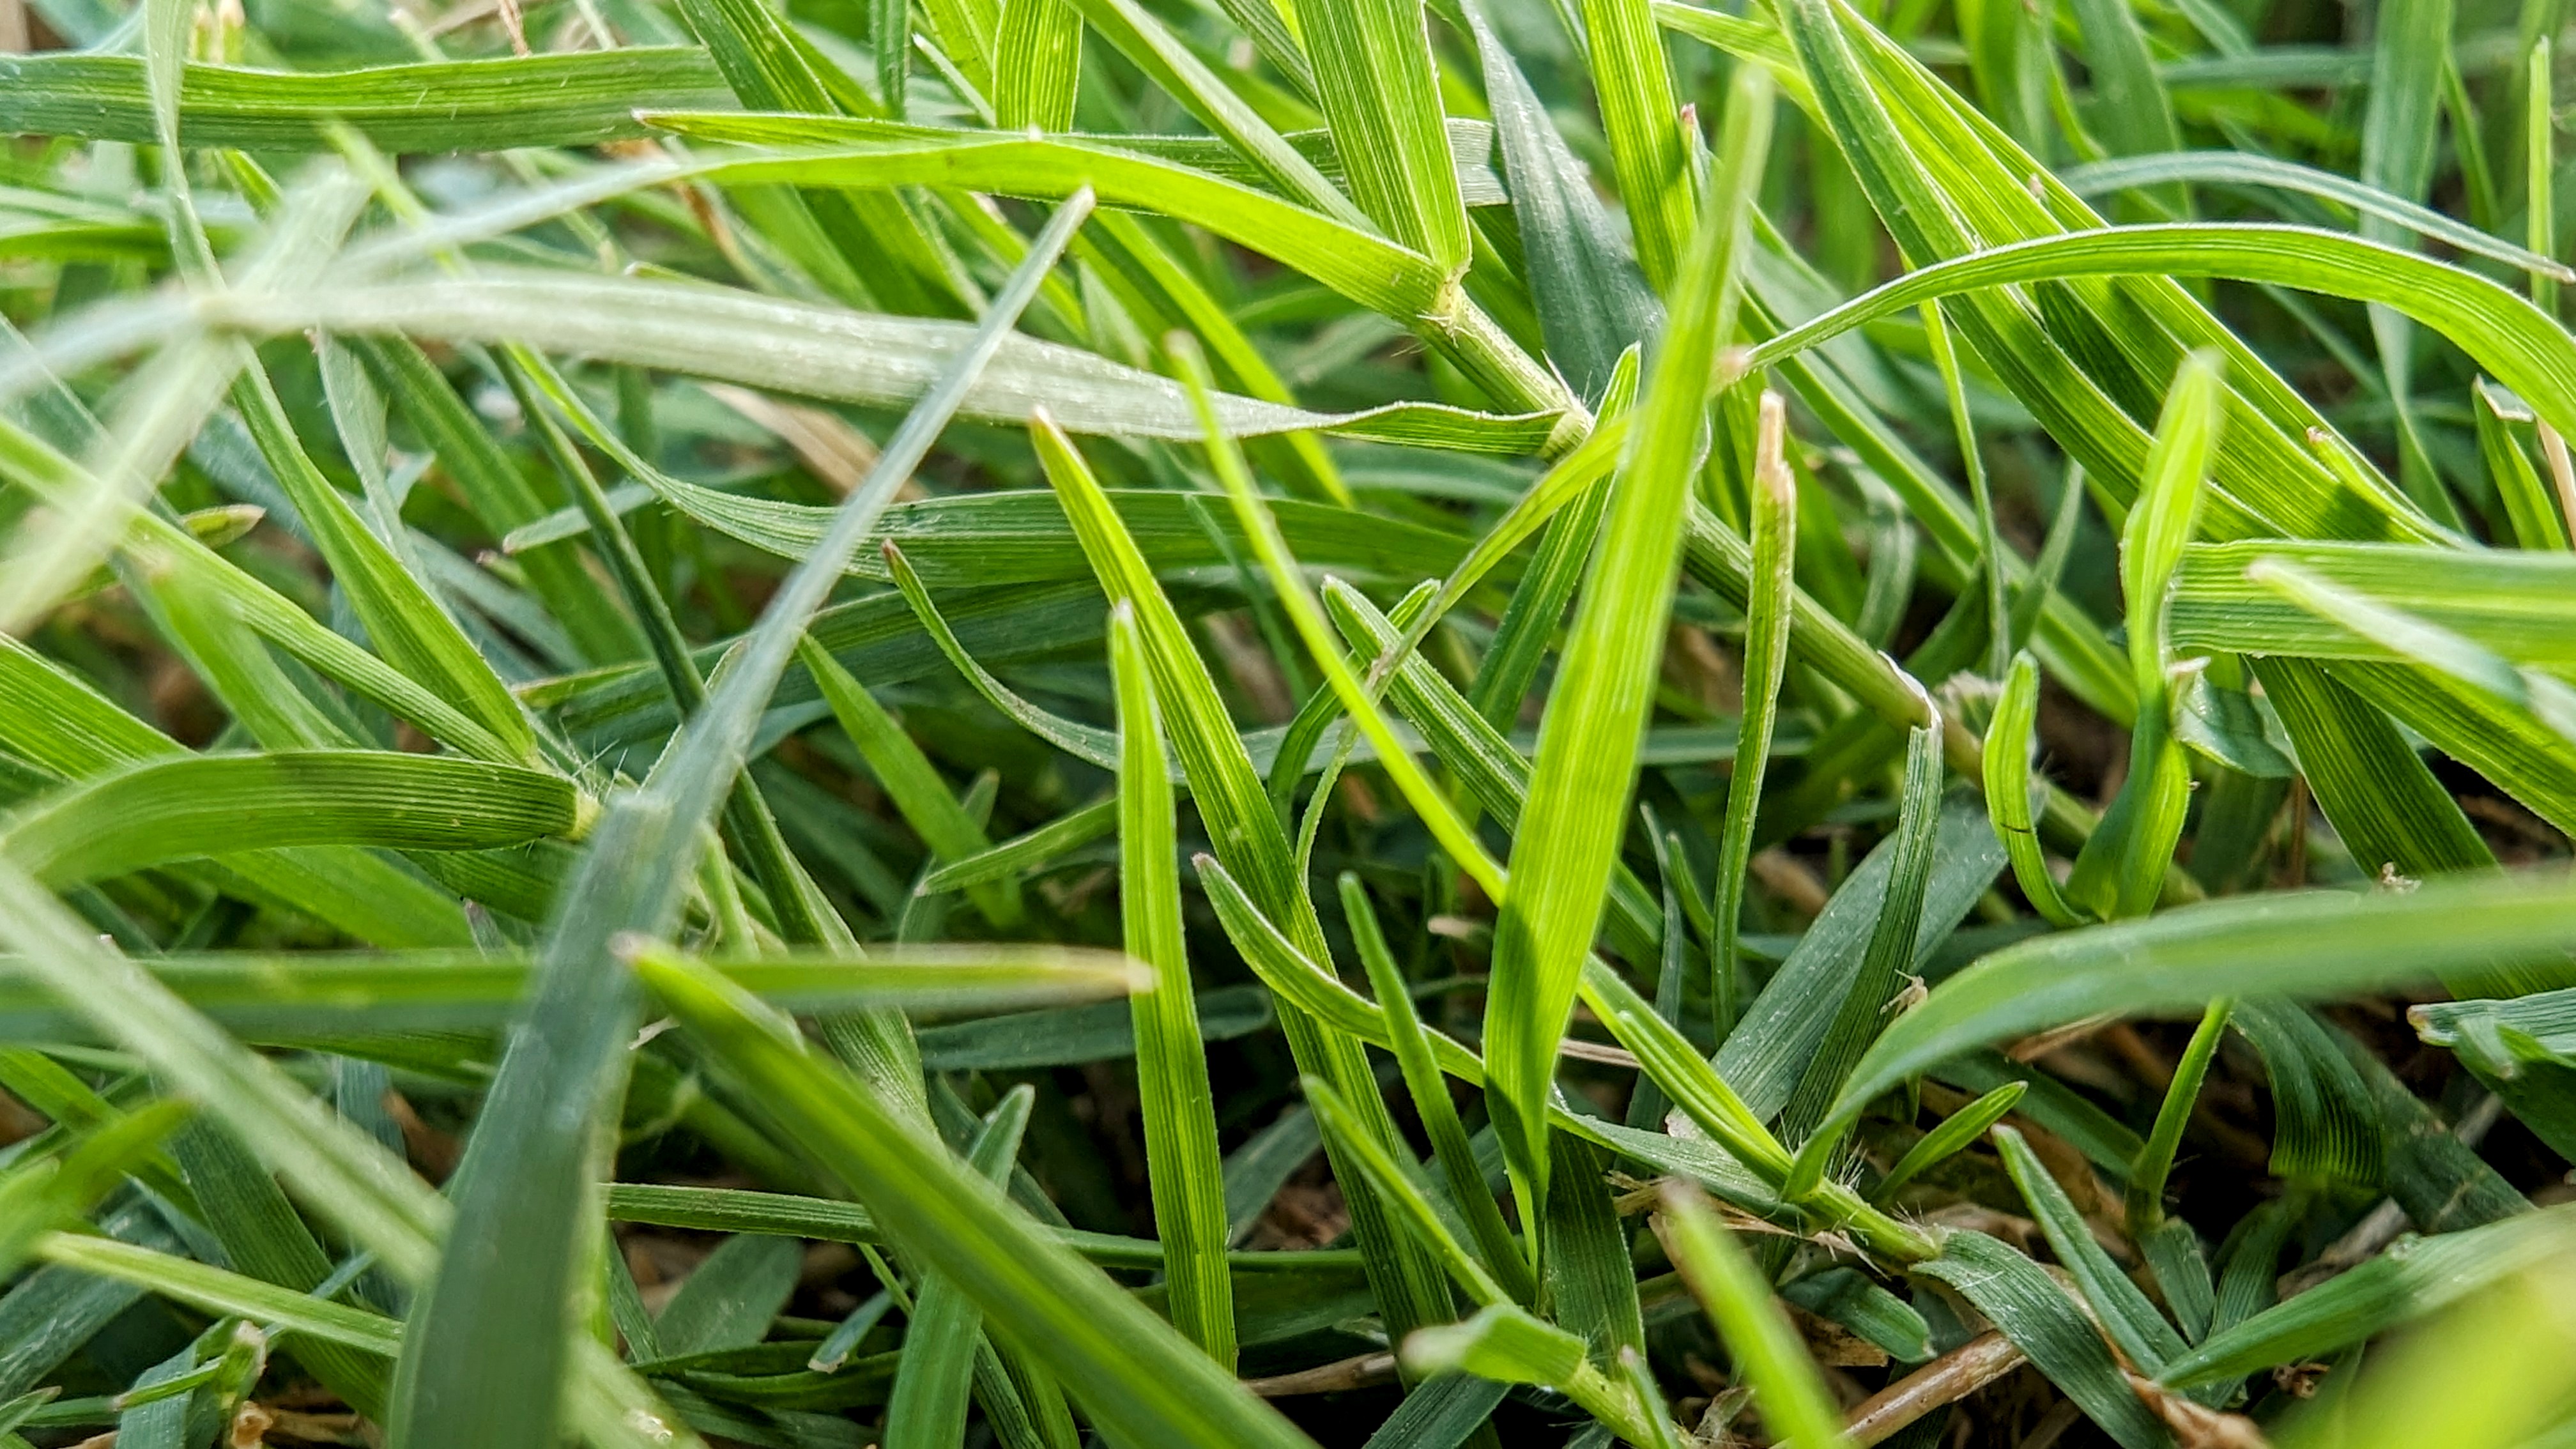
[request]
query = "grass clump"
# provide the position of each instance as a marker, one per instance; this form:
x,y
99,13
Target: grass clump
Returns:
x,y
1350,722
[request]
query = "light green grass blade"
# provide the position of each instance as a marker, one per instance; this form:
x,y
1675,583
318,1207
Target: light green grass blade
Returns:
x,y
1957,1131
1428,801
404,622
1037,65
320,996
2419,1277
1568,840
195,806
2146,1198
1134,1373
2310,944
1641,119
2121,870
2009,742
1183,1168
2237,168
1376,76
535,100
1768,1351
827,353
1509,1345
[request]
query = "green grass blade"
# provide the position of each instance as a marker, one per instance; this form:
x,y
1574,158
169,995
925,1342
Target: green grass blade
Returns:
x,y
932,1383
1376,76
2318,943
1766,658
180,809
2008,795
2155,1161
1235,808
2043,1321
524,1177
927,803
1134,1373
1424,1082
1568,841
1182,1165
1767,1349
1593,303
1956,1132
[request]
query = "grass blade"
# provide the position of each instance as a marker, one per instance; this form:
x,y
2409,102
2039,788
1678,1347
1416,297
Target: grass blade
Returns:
x,y
1182,1164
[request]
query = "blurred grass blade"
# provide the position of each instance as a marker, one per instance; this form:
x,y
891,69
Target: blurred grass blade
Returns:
x,y
525,1168
933,1380
1183,1170
155,813
1134,1373
2413,1278
1767,1349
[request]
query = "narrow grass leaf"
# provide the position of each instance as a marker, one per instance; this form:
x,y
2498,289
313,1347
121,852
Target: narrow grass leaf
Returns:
x,y
1183,1169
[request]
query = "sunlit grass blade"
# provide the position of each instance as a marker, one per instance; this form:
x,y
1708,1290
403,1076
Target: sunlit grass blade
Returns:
x,y
2318,943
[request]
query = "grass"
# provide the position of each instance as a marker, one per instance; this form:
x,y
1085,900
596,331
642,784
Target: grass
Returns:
x,y
1044,722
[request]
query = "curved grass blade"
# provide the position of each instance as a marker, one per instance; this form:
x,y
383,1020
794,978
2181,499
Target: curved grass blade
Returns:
x,y
200,805
2009,742
2309,944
